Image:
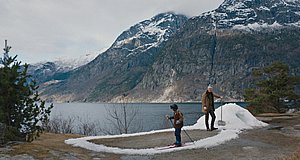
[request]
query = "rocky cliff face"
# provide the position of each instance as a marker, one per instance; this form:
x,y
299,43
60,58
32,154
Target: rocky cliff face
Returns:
x,y
154,61
238,13
122,66
222,47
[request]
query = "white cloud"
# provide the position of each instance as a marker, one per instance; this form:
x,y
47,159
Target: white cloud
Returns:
x,y
42,30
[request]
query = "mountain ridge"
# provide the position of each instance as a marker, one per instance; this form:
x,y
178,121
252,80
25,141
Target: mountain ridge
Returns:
x,y
223,55
47,71
220,47
122,66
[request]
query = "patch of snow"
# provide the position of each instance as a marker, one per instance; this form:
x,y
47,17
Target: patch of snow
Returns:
x,y
291,111
245,12
119,44
263,8
287,2
236,6
292,1
298,13
64,64
130,54
257,26
236,19
151,29
52,82
296,24
148,28
67,63
236,118
280,3
139,49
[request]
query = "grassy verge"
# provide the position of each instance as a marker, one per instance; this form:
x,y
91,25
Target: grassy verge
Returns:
x,y
52,146
295,156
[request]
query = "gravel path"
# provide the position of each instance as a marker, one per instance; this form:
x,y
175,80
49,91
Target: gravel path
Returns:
x,y
153,140
279,140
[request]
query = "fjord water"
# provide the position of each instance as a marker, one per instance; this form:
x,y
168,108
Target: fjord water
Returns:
x,y
151,116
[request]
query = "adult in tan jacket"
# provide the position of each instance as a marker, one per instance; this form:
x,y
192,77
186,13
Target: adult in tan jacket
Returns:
x,y
208,107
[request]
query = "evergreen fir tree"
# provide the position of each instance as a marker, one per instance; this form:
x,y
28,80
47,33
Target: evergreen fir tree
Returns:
x,y
21,109
274,86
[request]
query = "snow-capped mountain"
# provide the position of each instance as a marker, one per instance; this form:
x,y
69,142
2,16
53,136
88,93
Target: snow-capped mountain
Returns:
x,y
67,63
57,69
122,66
169,58
255,14
222,47
147,34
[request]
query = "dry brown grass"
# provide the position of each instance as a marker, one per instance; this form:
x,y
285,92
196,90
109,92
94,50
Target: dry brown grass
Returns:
x,y
52,146
295,156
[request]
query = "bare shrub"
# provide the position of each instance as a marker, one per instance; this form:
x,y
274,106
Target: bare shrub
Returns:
x,y
71,124
59,124
86,127
122,118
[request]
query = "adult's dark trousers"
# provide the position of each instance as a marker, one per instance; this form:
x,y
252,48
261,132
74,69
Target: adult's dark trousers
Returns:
x,y
213,116
177,135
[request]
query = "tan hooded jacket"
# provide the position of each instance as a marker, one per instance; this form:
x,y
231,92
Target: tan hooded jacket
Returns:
x,y
206,103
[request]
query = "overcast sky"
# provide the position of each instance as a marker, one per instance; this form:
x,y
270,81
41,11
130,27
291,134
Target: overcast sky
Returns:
x,y
40,30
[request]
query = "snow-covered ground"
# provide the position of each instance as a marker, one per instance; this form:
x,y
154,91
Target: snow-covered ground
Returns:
x,y
237,119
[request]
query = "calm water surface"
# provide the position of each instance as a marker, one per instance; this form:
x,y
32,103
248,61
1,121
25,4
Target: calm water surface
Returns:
x,y
151,116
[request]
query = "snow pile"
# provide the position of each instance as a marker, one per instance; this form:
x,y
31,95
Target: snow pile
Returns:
x,y
236,118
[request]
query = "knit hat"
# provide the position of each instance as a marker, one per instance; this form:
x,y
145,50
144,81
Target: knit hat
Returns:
x,y
209,86
174,106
